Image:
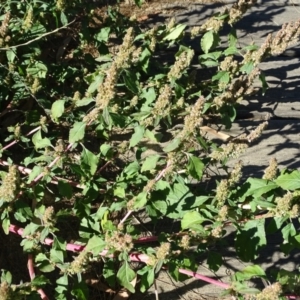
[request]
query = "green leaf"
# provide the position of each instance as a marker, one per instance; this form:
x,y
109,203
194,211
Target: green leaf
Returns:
x,y
40,281
250,239
160,206
248,67
65,189
174,144
232,38
77,132
195,167
249,272
125,275
81,291
63,18
131,81
248,290
150,163
288,231
138,2
264,83
40,142
5,225
96,245
175,33
178,198
119,191
259,187
207,41
84,101
89,160
137,136
140,200
106,150
222,76
11,54
56,256
147,278
37,170
214,260
57,109
38,69
94,85
62,284
289,181
103,35
190,219
275,224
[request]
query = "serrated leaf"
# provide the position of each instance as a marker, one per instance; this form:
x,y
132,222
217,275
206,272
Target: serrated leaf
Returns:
x,y
175,32
207,41
174,144
150,163
195,167
289,181
125,275
57,109
96,245
77,132
190,219
137,136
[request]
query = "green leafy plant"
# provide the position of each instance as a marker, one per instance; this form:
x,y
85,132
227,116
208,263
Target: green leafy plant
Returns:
x,y
111,132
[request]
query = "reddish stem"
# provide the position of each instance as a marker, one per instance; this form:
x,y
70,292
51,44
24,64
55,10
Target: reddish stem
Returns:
x,y
204,278
137,257
16,141
30,266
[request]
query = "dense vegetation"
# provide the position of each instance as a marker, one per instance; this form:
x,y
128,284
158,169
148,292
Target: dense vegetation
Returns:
x,y
104,138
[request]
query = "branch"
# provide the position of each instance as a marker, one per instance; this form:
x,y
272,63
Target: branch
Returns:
x,y
38,38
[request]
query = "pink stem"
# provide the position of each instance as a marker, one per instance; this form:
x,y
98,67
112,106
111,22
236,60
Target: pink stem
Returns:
x,y
30,266
26,171
15,141
36,179
204,278
137,257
